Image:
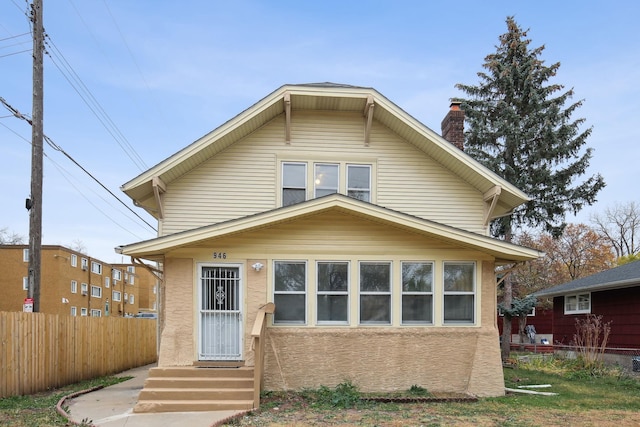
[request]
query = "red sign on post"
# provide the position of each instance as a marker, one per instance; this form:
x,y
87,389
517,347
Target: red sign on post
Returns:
x,y
28,305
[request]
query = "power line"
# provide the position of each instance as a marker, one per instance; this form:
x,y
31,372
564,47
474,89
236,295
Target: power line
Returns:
x,y
56,147
65,174
92,103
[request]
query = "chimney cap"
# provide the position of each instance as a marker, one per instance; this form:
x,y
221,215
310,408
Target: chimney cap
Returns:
x,y
455,103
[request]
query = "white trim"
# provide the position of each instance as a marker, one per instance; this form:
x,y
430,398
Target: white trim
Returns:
x,y
389,293
348,293
474,293
577,297
241,302
305,322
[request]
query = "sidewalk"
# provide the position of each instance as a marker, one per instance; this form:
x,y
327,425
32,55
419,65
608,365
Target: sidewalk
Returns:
x,y
113,407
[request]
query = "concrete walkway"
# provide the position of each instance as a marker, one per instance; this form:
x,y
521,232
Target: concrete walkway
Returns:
x,y
113,407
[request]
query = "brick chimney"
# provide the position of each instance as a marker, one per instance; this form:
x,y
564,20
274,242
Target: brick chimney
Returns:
x,y
453,125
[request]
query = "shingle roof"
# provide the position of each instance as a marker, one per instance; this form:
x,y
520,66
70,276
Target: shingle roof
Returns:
x,y
619,277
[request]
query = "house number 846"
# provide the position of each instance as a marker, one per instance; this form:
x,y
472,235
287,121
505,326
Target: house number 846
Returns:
x,y
219,255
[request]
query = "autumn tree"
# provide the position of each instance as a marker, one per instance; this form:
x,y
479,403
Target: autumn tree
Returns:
x,y
579,252
518,126
620,225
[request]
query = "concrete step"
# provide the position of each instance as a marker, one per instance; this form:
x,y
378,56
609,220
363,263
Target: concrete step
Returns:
x,y
195,394
192,382
191,405
191,371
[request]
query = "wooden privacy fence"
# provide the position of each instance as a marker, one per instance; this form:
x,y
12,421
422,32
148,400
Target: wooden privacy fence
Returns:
x,y
43,351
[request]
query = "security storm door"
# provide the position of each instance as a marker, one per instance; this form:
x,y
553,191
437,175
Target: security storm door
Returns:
x,y
220,313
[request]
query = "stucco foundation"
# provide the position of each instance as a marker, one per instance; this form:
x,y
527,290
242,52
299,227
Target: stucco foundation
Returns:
x,y
462,360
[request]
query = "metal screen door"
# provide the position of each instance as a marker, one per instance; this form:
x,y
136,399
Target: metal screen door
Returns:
x,y
220,313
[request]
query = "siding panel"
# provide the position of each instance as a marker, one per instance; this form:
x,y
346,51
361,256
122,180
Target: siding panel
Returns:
x,y
243,179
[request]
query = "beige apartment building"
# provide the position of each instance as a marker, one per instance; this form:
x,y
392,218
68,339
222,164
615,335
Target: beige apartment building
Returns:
x,y
75,284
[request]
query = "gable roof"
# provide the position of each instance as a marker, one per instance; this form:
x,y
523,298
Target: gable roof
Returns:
x,y
503,251
619,277
332,97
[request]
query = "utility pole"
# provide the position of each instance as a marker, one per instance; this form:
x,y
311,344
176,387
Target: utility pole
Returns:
x,y
34,203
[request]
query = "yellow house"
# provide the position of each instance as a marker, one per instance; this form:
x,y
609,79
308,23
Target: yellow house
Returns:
x,y
365,229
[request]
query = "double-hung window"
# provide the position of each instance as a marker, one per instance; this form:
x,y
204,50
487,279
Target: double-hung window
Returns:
x,y
359,182
459,292
74,287
25,283
290,292
375,293
116,296
117,275
333,292
326,179
96,291
577,304
417,293
96,267
294,183
74,261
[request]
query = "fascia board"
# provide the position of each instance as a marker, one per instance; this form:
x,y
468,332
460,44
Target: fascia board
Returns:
x,y
451,234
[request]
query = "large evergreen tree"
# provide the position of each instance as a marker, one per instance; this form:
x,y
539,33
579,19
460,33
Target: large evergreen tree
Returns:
x,y
519,127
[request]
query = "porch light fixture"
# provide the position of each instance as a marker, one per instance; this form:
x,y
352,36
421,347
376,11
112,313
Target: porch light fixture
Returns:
x,y
257,266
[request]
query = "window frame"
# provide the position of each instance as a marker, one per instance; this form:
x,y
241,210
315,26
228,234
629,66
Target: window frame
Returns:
x,y
107,281
346,294
95,312
282,183
113,296
84,289
577,309
25,255
132,299
74,260
349,188
316,179
388,293
25,283
96,291
116,272
473,293
83,312
96,267
74,286
404,293
276,293
74,310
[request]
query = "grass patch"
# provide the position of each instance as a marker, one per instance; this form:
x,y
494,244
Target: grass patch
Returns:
x,y
601,397
39,409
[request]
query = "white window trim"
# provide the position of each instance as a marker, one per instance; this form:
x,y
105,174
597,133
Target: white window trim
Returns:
x,y
132,298
107,281
347,293
577,310
432,293
96,267
84,264
315,178
74,311
116,296
83,311
306,181
117,275
96,313
389,293
25,255
449,293
25,283
305,322
97,293
84,288
347,189
74,260
74,287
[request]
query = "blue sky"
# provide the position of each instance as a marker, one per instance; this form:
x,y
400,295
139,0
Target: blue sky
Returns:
x,y
166,72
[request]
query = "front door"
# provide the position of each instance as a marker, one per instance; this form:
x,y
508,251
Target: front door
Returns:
x,y
220,314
